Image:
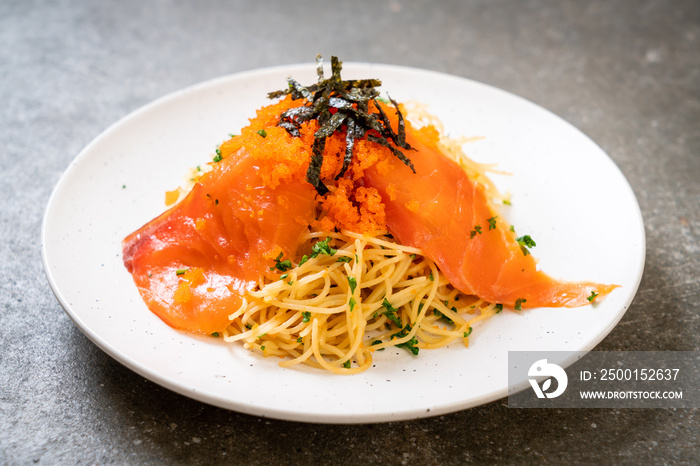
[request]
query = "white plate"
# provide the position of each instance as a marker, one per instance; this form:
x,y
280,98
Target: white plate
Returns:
x,y
566,193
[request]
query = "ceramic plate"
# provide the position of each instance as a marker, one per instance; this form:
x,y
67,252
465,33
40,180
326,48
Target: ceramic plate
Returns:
x,y
566,193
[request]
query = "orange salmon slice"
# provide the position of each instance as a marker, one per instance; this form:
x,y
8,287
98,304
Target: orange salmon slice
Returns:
x,y
448,216
193,264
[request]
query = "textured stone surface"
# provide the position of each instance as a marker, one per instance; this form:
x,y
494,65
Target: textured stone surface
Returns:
x,y
626,73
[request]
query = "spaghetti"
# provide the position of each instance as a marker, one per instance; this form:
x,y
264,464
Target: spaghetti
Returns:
x,y
331,228
364,294
312,314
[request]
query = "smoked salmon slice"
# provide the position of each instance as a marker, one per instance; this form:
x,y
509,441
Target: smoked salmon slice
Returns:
x,y
193,264
447,215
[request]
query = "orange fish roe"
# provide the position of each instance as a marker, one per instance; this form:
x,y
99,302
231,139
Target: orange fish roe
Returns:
x,y
353,208
281,157
191,278
171,197
413,205
428,135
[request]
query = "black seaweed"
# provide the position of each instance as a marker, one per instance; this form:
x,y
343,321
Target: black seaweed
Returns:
x,y
341,106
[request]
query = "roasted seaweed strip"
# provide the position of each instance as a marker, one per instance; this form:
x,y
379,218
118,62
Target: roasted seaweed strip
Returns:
x,y
341,107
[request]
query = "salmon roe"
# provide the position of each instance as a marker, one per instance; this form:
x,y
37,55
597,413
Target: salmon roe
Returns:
x,y
282,157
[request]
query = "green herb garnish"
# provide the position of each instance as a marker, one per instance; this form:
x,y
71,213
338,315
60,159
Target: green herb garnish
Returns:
x,y
181,271
499,308
322,247
281,265
306,316
592,296
492,222
353,284
410,345
442,316
344,259
526,242
518,303
377,342
391,313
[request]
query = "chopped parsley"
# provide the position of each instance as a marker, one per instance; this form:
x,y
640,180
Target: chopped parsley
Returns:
x,y
218,157
492,222
322,247
304,258
344,259
526,242
181,271
299,340
475,231
353,284
499,308
346,364
468,332
215,334
377,342
519,303
442,316
352,303
306,316
391,313
410,345
592,296
262,133
281,265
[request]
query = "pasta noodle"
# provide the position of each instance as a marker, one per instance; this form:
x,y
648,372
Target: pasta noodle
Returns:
x,y
323,175
334,310
366,293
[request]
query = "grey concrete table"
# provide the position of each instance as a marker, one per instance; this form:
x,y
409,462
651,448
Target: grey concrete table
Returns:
x,y
626,73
